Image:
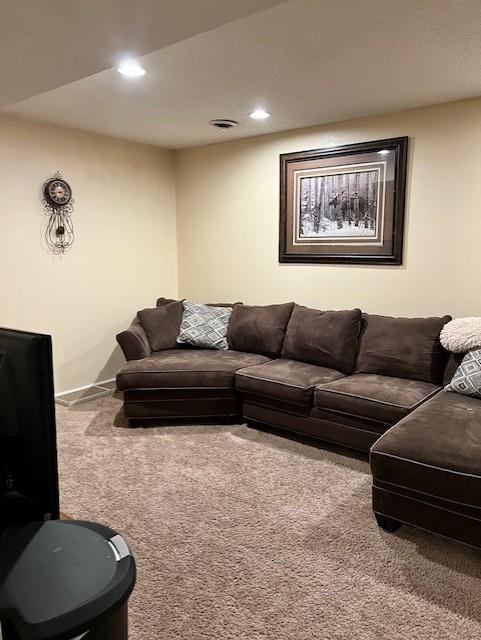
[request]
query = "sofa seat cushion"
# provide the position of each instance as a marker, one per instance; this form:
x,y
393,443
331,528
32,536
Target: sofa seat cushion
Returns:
x,y
435,451
175,368
380,398
287,380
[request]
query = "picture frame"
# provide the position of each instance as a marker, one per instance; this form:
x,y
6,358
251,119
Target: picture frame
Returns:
x,y
344,205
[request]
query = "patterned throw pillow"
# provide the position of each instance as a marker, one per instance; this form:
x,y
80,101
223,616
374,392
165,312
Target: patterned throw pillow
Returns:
x,y
204,326
467,377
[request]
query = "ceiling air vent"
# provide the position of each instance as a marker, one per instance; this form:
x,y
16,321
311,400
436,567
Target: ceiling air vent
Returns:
x,y
222,123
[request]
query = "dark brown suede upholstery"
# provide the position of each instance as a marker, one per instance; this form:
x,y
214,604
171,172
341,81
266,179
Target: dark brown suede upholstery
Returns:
x,y
454,360
402,347
326,338
162,325
427,469
287,380
323,428
134,342
380,398
437,450
162,301
141,405
178,368
259,329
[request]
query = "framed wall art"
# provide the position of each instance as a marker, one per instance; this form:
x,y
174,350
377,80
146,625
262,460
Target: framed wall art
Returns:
x,y
344,205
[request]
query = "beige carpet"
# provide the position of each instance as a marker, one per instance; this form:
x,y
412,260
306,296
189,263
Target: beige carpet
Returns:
x,y
240,534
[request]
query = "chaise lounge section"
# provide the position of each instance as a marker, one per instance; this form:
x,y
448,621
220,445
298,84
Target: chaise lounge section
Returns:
x,y
427,469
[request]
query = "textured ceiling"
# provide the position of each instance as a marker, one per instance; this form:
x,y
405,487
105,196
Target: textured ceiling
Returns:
x,y
306,61
48,43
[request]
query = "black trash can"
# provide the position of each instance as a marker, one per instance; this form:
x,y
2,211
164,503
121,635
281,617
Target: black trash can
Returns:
x,y
64,580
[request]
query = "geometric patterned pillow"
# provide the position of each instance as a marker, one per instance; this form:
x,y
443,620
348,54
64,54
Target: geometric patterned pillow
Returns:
x,y
204,326
467,377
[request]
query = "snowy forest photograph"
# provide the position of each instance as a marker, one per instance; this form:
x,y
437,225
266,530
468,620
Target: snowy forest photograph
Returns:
x,y
342,204
345,204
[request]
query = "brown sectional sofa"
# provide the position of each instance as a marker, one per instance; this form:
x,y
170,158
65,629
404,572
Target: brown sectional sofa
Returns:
x,y
367,382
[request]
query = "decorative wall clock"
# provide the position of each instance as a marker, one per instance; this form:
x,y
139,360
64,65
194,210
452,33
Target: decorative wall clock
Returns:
x,y
57,204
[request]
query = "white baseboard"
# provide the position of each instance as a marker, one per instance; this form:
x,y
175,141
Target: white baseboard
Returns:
x,y
87,386
85,394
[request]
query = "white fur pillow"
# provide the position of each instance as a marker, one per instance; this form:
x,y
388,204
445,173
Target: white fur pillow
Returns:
x,y
462,334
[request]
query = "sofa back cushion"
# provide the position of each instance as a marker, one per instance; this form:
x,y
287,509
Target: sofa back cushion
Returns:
x,y
259,329
162,324
326,338
163,301
453,362
402,347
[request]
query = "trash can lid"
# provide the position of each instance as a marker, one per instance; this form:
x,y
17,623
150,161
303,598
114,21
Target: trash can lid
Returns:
x,y
58,577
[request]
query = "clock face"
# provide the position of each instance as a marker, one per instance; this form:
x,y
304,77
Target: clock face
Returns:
x,y
58,192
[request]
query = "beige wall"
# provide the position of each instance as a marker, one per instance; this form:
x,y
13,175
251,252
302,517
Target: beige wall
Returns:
x,y
125,248
226,198
228,208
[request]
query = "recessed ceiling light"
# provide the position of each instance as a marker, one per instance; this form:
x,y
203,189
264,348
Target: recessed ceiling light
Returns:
x,y
383,152
131,68
259,114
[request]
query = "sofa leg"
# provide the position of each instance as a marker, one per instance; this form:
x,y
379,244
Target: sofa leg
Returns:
x,y
386,523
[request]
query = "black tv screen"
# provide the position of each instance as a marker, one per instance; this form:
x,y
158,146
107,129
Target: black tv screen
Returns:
x,y
28,447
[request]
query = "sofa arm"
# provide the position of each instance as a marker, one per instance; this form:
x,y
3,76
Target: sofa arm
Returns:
x,y
134,342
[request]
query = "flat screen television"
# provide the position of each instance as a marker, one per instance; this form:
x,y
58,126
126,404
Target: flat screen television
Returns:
x,y
28,446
